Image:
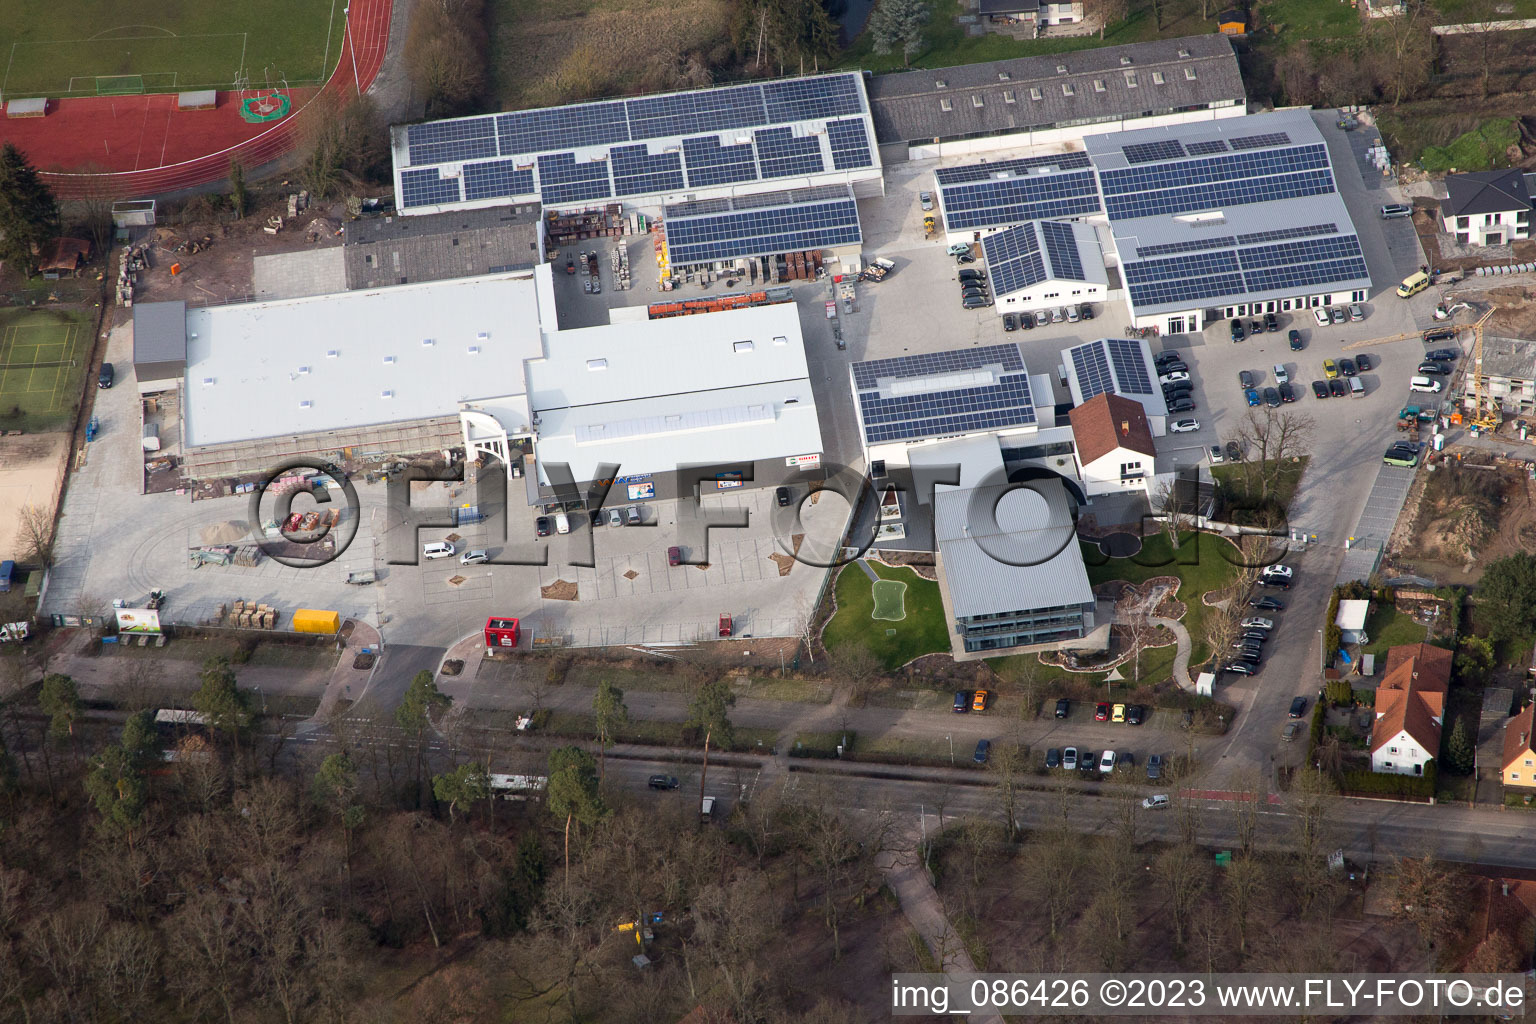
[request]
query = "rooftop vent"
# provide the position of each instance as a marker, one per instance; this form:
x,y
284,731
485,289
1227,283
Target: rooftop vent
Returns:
x,y
306,404
207,382
474,350
331,353
1125,428
597,364
1003,76
1061,69
389,360
780,339
940,84
742,346
386,394
946,106
303,370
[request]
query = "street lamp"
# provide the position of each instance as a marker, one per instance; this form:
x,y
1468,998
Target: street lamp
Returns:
x,y
257,688
951,739
346,15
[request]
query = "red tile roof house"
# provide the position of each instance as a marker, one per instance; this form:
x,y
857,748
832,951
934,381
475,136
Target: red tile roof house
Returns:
x,y
1410,709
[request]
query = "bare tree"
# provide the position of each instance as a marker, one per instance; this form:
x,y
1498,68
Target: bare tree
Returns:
x,y
1182,873
1277,437
1245,810
1406,45
1007,766
1242,890
34,529
856,666
1170,501
1427,894
1110,12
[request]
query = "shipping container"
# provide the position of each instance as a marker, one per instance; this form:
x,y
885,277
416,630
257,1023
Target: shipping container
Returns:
x,y
310,620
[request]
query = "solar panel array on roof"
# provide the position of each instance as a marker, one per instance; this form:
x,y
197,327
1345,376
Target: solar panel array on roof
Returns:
x,y
1209,275
563,180
1092,368
423,187
1194,245
1280,234
698,236
1014,258
984,171
962,392
1260,141
1013,200
1232,179
1061,247
636,170
849,142
495,178
1148,152
1130,367
548,138
1206,147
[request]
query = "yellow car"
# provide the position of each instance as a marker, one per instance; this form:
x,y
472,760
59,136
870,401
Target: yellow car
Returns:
x,y
1118,715
979,702
1329,370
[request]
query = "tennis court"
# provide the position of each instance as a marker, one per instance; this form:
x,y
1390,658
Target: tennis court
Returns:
x,y
43,359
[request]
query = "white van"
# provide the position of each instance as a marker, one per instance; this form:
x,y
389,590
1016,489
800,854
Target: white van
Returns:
x,y
562,523
1356,388
437,549
1424,384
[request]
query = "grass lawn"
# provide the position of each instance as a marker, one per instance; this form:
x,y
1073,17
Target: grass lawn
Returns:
x,y
923,631
946,43
1388,627
661,734
173,47
1239,497
1311,19
44,355
1204,562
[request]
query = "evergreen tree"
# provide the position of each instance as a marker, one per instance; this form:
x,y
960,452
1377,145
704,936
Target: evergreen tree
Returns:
x,y
1460,753
29,216
464,785
898,24
221,701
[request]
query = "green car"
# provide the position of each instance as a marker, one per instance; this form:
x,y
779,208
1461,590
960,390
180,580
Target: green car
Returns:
x,y
1400,457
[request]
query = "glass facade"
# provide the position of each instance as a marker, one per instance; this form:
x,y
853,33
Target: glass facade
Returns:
x,y
998,630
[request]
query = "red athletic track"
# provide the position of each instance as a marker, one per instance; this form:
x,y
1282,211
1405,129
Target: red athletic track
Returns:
x,y
149,147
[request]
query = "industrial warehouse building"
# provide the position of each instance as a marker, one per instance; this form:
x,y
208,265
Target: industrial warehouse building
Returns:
x,y
638,402
382,251
1055,100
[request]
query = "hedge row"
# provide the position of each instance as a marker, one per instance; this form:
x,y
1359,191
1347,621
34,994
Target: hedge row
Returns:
x,y
1361,782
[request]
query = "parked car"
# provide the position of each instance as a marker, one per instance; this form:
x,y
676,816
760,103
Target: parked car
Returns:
x,y
1347,367
1053,758
1087,762
1063,707
437,549
107,375
1118,714
1154,766
1241,668
474,557
1234,452
1252,396
1287,394
1319,389
1272,397
1337,315
1257,622
965,258
1166,356
975,302
612,517
1271,322
782,496
1356,314
979,702
541,526
662,782
1441,355
1397,456
962,701
1362,363
1184,426
972,274
1295,338
1392,211
1106,762
1087,311
1282,375
1181,405
1298,707
1216,457
1277,570
1174,377
1245,380
1330,369
674,556
1027,321
1433,369
1238,334
983,751
1424,385
1101,713
1058,315
925,200
1175,366
1069,759
632,515
1009,323
1291,731
1125,762
562,523
1337,388
959,249
1134,714
1157,801
1321,316
1267,603
1072,315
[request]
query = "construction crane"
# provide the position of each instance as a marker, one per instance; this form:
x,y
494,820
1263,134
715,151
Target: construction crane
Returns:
x,y
1486,413
1417,335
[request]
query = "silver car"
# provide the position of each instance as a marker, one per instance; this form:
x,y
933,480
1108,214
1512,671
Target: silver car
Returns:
x,y
1058,315
613,517
1356,314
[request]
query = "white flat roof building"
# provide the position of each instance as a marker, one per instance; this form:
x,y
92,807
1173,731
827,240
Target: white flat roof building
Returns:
x,y
345,362
655,395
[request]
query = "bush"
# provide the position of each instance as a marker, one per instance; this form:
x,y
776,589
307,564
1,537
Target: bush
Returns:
x,y
1481,149
1363,782
1339,693
1319,712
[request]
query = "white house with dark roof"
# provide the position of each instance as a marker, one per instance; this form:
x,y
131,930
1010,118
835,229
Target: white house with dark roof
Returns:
x,y
1030,12
1488,207
1044,264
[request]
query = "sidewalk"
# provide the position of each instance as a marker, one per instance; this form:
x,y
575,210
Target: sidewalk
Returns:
x,y
347,683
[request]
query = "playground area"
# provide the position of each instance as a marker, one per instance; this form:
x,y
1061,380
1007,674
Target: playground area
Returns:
x,y
44,355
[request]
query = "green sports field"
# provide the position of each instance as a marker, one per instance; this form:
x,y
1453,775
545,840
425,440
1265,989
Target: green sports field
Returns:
x,y
128,46
44,355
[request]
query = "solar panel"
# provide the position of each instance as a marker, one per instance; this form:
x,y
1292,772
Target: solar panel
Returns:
x,y
1222,261
422,187
806,99
761,232
1281,234
636,170
781,155
1189,289
1147,152
1260,141
791,197
451,141
1206,147
1212,169
1304,263
1015,200
869,373
1014,258
494,178
1231,180
1061,247
563,180
850,144
536,131
1093,377
685,113
710,163
1170,248
1130,366
985,171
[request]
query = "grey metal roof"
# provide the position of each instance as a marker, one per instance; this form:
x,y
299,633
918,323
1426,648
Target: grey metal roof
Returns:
x,y
437,247
160,333
907,106
990,7
1023,555
1485,192
1511,358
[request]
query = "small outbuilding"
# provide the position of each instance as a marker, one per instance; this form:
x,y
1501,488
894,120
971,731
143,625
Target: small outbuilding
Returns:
x,y
1351,620
1232,23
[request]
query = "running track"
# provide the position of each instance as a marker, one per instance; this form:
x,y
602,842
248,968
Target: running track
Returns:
x,y
150,147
